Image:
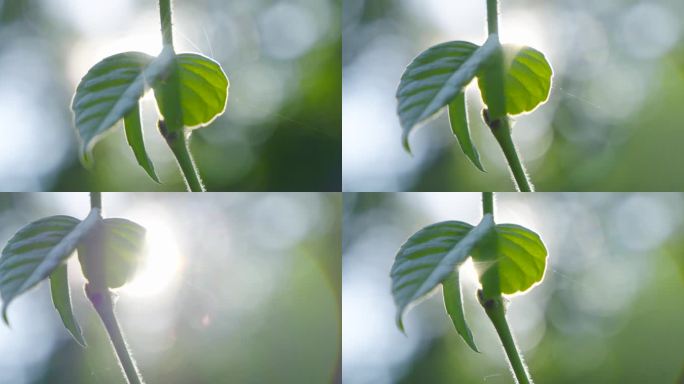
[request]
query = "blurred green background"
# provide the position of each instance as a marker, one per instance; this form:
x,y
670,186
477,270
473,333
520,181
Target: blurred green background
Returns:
x,y
610,308
613,121
236,288
281,130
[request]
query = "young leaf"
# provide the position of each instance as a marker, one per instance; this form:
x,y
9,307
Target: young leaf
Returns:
x,y
520,258
203,90
435,78
109,91
61,299
527,80
37,250
458,118
428,257
134,136
120,245
454,307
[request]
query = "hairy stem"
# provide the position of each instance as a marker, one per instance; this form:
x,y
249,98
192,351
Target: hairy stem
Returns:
x,y
166,22
493,304
492,16
172,126
488,203
179,146
102,302
502,133
101,298
496,312
496,116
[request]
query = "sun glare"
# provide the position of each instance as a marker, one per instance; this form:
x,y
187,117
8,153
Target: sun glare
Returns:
x,y
467,272
161,264
520,28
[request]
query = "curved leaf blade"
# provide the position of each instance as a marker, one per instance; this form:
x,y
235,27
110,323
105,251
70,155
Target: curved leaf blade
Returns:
x,y
518,257
203,90
428,257
109,90
61,299
458,118
527,79
522,258
454,307
120,245
134,136
106,94
435,78
36,250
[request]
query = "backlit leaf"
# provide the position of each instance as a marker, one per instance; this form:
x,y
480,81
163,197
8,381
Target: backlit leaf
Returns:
x,y
110,90
436,77
520,258
428,257
527,79
203,90
458,118
134,136
120,244
454,307
36,250
61,299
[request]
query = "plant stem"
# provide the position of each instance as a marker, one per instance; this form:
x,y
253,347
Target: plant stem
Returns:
x,y
102,302
496,313
503,136
488,203
96,200
179,146
493,16
494,306
101,298
172,126
496,117
166,22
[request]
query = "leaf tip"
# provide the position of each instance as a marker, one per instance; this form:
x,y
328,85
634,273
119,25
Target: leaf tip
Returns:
x,y
4,314
479,166
80,340
400,322
405,144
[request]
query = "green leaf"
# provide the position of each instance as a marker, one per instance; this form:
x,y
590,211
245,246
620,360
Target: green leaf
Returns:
x,y
436,77
109,91
527,79
428,257
454,307
61,298
493,70
120,244
520,258
36,250
203,90
458,117
134,136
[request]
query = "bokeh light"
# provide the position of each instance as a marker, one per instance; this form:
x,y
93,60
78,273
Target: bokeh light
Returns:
x,y
609,122
604,311
230,283
282,59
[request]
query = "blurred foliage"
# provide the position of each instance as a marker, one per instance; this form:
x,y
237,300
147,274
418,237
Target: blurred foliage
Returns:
x,y
281,130
608,310
256,298
611,124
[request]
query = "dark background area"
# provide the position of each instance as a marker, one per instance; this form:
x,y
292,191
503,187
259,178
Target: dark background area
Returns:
x,y
281,130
